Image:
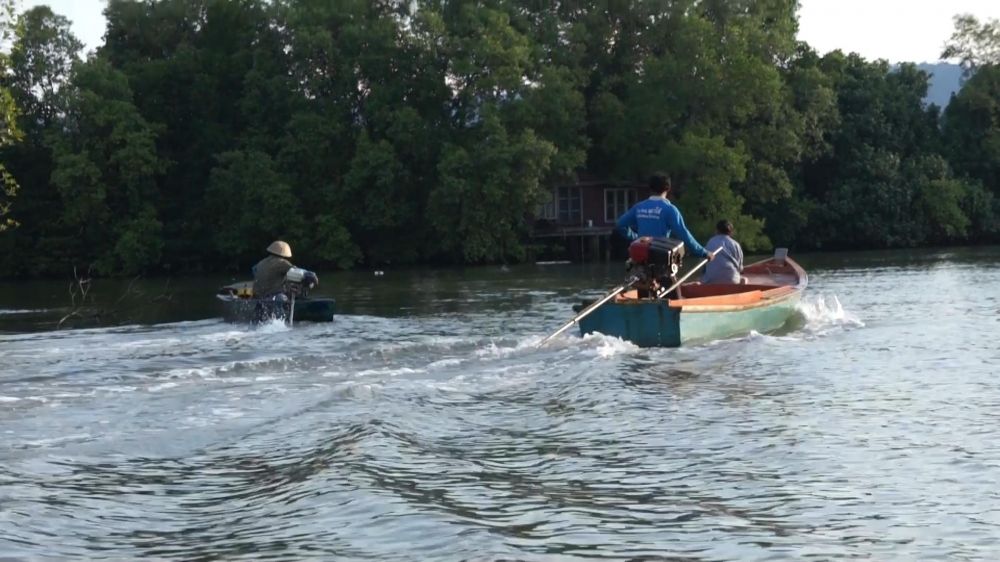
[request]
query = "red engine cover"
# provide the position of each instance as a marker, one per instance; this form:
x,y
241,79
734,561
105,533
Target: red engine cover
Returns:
x,y
638,251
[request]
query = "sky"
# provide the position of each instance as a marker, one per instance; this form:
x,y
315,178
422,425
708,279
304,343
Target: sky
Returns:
x,y
895,30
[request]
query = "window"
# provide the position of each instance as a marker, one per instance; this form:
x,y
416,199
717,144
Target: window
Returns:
x,y
568,204
547,210
617,201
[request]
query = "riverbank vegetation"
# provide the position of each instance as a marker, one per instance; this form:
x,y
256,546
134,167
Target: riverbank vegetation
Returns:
x,y
374,132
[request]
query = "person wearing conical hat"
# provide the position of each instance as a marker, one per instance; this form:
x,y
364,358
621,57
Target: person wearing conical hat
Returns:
x,y
269,273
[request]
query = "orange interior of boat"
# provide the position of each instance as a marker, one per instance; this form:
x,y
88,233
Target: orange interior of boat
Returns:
x,y
765,280
769,272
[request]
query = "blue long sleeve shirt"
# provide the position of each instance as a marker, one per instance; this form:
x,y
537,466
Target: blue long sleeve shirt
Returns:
x,y
658,217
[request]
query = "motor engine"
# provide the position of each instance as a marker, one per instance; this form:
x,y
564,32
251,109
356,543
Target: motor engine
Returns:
x,y
655,262
299,281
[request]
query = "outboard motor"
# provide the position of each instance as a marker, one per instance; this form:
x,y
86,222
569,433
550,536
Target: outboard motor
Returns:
x,y
655,262
299,282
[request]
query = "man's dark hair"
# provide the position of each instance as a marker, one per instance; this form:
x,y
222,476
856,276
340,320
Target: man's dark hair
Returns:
x,y
724,227
659,182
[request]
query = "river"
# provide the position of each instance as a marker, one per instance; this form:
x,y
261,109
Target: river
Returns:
x,y
423,424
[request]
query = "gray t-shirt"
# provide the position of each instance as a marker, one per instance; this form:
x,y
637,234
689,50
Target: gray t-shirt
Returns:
x,y
727,265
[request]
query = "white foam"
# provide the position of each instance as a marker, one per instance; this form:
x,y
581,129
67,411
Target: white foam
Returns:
x,y
212,372
446,363
229,413
56,440
364,391
494,351
609,346
72,394
120,389
20,310
162,386
822,312
155,343
602,345
390,372
9,399
273,326
755,335
200,372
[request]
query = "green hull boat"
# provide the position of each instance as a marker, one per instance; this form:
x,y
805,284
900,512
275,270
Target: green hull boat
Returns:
x,y
705,312
238,305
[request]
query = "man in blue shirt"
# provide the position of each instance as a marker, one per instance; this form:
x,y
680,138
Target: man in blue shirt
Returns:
x,y
657,217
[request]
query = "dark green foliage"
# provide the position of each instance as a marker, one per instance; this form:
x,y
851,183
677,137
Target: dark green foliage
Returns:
x,y
105,168
398,132
9,132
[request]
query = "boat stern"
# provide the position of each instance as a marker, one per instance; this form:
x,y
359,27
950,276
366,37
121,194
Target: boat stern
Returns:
x,y
646,323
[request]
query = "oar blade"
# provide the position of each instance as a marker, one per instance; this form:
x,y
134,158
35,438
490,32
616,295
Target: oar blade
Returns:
x,y
594,306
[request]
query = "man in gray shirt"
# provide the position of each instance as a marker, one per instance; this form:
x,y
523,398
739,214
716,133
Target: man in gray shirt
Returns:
x,y
728,264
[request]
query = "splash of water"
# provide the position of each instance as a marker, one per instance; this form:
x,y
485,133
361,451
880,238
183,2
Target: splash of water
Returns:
x,y
597,344
609,346
273,326
500,351
822,312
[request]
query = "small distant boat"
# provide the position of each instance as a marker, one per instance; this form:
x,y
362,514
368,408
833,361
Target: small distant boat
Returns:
x,y
705,312
239,305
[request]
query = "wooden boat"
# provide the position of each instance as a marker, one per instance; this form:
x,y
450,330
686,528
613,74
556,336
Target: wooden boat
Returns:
x,y
239,305
705,312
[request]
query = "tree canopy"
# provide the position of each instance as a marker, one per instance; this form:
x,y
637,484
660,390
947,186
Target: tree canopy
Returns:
x,y
9,132
376,132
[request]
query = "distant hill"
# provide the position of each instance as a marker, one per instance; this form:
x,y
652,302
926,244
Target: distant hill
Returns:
x,y
946,78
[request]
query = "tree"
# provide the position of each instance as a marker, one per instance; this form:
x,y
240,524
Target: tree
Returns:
x,y
9,132
972,144
477,209
403,132
884,182
253,204
105,168
42,56
492,162
702,97
973,43
972,129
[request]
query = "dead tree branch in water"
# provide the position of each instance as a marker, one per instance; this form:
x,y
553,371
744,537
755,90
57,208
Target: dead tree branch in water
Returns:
x,y
129,291
78,288
84,310
166,295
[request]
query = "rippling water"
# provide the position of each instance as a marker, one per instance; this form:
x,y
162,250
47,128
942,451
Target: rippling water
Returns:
x,y
431,428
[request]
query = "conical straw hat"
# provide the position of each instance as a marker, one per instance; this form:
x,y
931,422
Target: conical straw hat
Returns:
x,y
280,248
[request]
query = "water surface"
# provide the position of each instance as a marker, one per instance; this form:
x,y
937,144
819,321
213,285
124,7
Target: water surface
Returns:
x,y
424,424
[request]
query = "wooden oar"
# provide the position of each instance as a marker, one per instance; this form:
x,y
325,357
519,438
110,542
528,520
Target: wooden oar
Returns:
x,y
594,306
664,292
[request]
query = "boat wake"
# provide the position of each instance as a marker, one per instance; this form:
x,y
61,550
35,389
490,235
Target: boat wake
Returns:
x,y
815,316
822,313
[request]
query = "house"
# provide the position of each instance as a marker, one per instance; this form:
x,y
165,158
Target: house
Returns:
x,y
581,216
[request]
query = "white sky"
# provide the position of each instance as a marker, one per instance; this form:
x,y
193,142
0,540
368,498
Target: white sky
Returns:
x,y
896,30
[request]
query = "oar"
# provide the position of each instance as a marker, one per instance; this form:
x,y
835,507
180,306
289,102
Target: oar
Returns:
x,y
614,293
662,293
291,310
